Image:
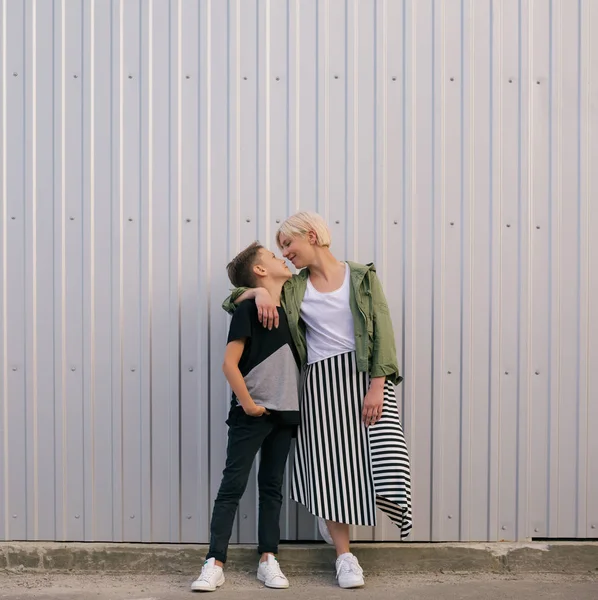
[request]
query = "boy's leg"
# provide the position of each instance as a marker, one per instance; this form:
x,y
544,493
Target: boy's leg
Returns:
x,y
275,450
245,437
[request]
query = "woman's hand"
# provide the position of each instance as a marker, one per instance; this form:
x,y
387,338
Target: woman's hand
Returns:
x,y
373,402
267,313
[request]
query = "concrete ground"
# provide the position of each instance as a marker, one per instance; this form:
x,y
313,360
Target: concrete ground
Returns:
x,y
239,586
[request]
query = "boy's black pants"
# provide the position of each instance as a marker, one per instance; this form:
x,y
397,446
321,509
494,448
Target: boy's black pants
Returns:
x,y
246,435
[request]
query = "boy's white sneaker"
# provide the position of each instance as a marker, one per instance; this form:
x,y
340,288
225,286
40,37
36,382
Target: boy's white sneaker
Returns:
x,y
210,578
270,574
348,571
324,532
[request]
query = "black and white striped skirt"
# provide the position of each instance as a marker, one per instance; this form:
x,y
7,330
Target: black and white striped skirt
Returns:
x,y
342,469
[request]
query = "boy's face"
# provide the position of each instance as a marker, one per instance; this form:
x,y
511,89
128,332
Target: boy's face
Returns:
x,y
270,266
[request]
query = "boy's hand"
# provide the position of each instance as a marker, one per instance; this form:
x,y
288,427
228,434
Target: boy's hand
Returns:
x,y
255,411
267,313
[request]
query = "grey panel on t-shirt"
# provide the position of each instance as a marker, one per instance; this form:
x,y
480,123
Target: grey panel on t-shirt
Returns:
x,y
274,383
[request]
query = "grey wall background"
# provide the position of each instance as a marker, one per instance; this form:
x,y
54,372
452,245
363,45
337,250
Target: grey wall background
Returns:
x,y
144,142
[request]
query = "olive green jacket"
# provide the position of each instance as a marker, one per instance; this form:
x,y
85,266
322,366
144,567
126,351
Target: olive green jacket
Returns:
x,y
374,338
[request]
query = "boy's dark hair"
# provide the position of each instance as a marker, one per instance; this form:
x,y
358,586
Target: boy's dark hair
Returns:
x,y
240,268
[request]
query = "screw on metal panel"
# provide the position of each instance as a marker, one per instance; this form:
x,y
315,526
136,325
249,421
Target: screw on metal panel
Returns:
x,y
450,516
278,220
508,224
337,222
130,219
394,78
133,369
187,76
188,220
336,76
450,372
14,516
130,76
73,368
76,76
396,222
537,83
504,527
13,218
14,368
132,517
536,530
593,526
188,516
511,81
537,372
191,369
244,78
72,218
76,516
244,516
452,223
248,220
537,227
278,79
15,74
506,372
452,79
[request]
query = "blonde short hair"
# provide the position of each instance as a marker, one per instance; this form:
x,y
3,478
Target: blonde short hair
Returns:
x,y
301,223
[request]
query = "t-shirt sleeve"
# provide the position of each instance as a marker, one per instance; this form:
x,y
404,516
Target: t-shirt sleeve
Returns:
x,y
241,323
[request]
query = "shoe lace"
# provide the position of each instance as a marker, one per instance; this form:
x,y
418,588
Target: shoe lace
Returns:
x,y
350,565
206,572
273,568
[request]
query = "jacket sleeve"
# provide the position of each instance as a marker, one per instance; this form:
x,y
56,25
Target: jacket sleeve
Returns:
x,y
229,304
384,354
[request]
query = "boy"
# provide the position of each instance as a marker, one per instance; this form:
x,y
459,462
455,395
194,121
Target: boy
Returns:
x,y
261,367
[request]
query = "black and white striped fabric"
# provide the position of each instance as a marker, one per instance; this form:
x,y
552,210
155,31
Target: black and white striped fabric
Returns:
x,y
343,470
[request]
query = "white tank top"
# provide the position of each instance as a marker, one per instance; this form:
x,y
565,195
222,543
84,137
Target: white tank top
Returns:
x,y
328,320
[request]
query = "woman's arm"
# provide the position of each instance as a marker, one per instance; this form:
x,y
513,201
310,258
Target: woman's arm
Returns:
x,y
267,313
384,355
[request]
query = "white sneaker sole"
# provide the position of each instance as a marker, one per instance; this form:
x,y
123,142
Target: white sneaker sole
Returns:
x,y
351,586
205,589
273,586
324,531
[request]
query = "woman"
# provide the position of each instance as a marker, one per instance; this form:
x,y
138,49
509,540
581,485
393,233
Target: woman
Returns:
x,y
351,454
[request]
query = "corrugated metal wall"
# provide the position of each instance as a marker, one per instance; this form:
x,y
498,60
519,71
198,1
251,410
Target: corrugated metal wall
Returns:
x,y
144,142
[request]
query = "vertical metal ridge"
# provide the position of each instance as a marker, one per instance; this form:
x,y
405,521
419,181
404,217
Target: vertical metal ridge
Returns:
x,y
150,237
208,229
4,278
63,261
588,260
237,126
550,398
490,261
34,263
121,244
267,124
355,125
297,4
92,261
578,274
557,247
180,217
471,236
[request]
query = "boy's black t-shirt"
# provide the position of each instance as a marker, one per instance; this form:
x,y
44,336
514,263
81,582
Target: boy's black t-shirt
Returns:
x,y
269,363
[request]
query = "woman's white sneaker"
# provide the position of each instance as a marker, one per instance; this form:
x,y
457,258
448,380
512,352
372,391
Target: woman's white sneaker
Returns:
x,y
210,578
270,574
348,571
324,532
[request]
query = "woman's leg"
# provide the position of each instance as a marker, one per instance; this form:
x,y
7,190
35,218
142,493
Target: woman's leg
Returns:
x,y
340,535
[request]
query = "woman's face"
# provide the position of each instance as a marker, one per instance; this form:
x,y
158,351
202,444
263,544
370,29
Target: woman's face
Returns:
x,y
299,249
